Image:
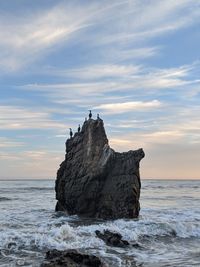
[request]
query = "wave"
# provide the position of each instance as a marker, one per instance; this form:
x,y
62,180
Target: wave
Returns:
x,y
61,235
64,236
135,230
166,229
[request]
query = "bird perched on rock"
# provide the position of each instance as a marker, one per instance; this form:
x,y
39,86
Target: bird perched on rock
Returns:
x,y
70,132
79,128
90,114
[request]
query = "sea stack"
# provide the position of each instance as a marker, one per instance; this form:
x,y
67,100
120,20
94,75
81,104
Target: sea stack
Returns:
x,y
94,180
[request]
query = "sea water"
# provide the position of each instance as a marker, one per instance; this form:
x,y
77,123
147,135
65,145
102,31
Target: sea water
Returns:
x,y
167,231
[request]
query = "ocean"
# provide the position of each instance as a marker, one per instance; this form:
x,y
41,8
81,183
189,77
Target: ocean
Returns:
x,y
168,229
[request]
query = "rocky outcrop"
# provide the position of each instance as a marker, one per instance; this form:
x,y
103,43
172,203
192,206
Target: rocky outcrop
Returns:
x,y
94,180
115,239
71,258
112,239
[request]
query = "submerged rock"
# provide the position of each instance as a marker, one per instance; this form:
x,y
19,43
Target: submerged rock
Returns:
x,y
112,239
94,180
115,239
71,258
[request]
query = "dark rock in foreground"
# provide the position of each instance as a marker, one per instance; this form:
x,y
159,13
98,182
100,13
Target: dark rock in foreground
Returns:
x,y
94,180
112,239
70,258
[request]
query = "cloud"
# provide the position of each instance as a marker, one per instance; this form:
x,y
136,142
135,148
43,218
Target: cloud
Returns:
x,y
173,129
139,22
74,56
116,108
134,53
6,157
9,143
16,118
98,71
30,164
99,84
25,39
133,140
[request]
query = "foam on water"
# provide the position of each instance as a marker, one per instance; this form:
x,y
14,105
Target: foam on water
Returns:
x,y
168,233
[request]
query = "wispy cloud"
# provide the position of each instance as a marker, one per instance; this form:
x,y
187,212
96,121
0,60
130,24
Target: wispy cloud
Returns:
x,y
98,71
64,57
26,39
116,108
95,82
145,21
16,118
172,130
43,162
9,143
23,40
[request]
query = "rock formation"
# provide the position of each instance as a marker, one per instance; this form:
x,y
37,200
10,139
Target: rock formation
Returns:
x,y
115,239
94,180
70,258
112,239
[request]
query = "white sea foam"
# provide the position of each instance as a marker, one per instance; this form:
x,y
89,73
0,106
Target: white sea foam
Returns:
x,y
66,236
167,228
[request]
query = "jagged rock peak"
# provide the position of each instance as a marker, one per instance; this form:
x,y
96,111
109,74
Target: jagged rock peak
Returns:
x,y
91,142
96,181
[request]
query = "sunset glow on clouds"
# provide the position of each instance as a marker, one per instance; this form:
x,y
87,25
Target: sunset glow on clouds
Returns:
x,y
134,62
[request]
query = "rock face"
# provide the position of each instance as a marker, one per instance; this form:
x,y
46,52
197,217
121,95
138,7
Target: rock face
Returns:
x,y
94,180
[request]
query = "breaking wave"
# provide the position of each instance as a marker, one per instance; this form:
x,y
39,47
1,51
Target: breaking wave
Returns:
x,y
63,235
168,233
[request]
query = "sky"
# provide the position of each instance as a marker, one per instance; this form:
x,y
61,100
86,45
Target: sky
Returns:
x,y
136,63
